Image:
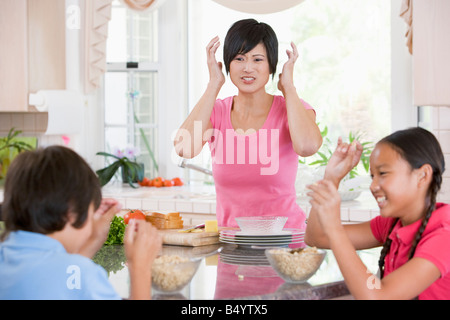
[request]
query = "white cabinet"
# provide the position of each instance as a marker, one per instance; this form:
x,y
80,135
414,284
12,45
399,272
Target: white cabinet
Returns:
x,y
431,52
32,38
13,55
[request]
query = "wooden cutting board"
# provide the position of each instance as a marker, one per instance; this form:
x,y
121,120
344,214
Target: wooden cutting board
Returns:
x,y
191,239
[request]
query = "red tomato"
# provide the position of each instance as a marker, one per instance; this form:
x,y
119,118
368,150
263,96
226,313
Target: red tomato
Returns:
x,y
144,182
126,217
158,182
177,181
168,183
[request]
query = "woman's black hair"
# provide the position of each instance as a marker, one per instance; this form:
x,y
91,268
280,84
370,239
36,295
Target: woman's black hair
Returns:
x,y
418,147
43,186
244,35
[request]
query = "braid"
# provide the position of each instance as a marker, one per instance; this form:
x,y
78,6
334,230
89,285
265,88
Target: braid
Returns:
x,y
385,250
433,190
418,147
418,236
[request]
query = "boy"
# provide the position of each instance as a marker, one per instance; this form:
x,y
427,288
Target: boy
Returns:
x,y
55,221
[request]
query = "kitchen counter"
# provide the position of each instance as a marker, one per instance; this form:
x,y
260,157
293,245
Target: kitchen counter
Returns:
x,y
198,203
229,274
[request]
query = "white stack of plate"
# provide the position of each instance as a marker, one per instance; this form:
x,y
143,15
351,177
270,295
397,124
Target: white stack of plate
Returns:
x,y
238,255
279,239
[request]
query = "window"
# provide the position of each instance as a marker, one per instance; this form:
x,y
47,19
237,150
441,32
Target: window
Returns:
x,y
131,84
344,68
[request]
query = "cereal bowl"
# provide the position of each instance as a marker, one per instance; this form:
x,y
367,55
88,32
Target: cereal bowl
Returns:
x,y
261,224
295,265
171,273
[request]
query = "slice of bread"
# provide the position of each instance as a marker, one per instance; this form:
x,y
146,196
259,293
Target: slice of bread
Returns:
x,y
165,215
165,220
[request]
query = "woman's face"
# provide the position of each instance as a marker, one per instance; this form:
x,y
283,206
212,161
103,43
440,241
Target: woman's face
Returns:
x,y
394,184
250,72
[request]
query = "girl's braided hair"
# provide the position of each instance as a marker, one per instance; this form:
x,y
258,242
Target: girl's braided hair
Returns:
x,y
418,147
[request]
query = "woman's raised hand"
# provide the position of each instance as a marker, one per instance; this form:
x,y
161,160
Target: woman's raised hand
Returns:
x,y
343,160
216,75
287,74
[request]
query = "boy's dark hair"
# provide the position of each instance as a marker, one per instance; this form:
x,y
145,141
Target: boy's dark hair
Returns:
x,y
244,35
418,147
43,186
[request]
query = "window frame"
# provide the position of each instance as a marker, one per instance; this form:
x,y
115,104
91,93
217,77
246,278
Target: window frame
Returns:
x,y
137,67
172,108
152,67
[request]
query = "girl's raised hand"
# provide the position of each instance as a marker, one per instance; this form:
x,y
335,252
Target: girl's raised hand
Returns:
x,y
326,202
287,74
216,75
343,160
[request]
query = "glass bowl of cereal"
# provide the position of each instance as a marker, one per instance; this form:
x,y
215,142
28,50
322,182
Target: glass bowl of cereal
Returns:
x,y
171,273
295,265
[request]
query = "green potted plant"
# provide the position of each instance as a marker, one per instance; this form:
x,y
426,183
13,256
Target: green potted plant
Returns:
x,y
314,169
125,160
10,146
327,150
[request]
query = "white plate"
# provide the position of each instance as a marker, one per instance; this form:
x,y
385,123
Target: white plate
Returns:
x,y
262,239
262,244
284,238
240,255
283,234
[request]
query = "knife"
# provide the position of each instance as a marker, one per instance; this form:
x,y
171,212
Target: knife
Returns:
x,y
199,226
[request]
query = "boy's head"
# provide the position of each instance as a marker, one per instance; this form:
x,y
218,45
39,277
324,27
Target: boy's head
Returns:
x,y
43,186
244,35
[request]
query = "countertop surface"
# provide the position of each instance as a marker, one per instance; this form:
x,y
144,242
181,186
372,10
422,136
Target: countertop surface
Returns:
x,y
229,273
201,199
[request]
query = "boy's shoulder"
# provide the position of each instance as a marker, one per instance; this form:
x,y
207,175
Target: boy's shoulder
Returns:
x,y
45,270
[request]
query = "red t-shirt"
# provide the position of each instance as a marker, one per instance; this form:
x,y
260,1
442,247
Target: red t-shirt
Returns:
x,y
433,246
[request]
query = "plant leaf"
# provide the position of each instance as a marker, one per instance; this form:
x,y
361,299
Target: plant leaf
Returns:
x,y
107,173
107,155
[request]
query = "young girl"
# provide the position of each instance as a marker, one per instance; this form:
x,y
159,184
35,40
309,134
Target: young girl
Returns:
x,y
406,169
255,137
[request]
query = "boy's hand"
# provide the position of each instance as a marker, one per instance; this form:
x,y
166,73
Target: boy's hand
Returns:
x,y
142,243
103,216
101,222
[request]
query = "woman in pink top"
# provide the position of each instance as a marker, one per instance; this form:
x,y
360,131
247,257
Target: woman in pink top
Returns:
x,y
255,138
414,231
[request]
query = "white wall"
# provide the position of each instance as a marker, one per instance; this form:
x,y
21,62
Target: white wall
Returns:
x,y
91,139
174,82
404,113
172,88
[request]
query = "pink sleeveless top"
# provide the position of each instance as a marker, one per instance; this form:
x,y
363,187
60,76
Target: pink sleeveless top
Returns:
x,y
254,174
